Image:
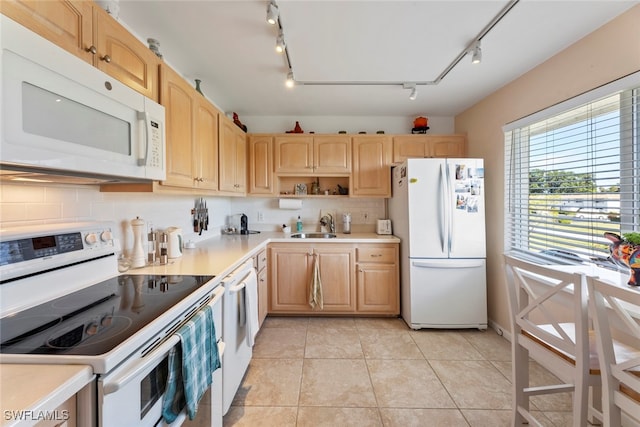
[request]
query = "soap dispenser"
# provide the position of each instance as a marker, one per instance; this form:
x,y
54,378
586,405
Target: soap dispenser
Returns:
x,y
299,224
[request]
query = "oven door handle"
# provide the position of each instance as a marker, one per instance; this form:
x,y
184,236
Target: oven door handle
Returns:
x,y
152,358
237,288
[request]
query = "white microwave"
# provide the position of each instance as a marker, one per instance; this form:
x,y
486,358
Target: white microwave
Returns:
x,y
62,116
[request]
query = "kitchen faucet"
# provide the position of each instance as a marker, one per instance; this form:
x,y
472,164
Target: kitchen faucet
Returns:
x,y
327,221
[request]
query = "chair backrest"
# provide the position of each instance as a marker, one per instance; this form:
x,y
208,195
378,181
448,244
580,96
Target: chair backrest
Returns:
x,y
542,300
616,311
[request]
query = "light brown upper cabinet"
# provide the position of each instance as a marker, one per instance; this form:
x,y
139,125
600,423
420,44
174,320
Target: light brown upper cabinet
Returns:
x,y
371,175
419,146
233,158
87,31
261,165
179,103
68,24
206,144
123,56
313,154
192,134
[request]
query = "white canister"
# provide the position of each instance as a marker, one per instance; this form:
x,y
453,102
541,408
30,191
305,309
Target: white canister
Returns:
x,y
346,223
174,242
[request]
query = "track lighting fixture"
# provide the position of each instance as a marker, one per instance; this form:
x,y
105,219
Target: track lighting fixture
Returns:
x,y
414,90
476,53
290,82
280,44
272,13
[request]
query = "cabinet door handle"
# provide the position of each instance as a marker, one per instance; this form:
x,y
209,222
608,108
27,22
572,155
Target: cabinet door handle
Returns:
x,y
106,59
92,50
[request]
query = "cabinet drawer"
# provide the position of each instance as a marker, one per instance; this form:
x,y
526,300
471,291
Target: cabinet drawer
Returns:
x,y
261,260
376,254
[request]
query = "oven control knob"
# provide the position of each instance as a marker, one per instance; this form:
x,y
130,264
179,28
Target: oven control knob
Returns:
x,y
106,236
106,320
92,328
91,238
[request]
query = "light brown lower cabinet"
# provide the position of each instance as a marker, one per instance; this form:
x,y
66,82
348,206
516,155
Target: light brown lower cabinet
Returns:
x,y
378,268
348,286
260,263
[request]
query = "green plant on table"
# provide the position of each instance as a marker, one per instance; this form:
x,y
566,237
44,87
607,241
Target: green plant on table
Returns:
x,y
632,238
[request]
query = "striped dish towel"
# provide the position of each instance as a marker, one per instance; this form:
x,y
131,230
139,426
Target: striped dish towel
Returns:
x,y
190,366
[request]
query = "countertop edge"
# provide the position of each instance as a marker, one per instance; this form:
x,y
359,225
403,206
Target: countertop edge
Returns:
x,y
47,400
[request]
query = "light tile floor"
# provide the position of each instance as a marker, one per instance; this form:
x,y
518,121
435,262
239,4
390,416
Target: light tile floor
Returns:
x,y
378,372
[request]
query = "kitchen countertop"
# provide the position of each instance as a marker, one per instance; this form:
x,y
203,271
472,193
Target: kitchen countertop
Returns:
x,y
31,392
219,255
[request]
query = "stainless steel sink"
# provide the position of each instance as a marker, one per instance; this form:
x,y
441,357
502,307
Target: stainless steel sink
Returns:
x,y
313,235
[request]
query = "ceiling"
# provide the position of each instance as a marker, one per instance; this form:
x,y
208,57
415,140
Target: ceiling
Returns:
x,y
229,46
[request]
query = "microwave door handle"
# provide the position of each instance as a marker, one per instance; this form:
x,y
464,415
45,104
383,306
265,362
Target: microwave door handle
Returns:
x,y
144,117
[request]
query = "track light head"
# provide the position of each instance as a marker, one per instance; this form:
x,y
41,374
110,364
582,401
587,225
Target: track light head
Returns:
x,y
476,53
414,90
280,43
272,13
290,81
414,94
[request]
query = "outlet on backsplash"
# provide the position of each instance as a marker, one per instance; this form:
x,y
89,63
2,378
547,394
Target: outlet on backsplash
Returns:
x,y
260,216
364,217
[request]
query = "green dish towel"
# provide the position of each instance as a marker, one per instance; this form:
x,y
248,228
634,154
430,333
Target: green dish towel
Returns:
x,y
315,292
191,364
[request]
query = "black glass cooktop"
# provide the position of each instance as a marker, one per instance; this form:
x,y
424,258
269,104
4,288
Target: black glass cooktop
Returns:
x,y
96,319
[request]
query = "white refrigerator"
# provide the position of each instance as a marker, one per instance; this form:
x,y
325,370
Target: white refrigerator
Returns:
x,y
438,211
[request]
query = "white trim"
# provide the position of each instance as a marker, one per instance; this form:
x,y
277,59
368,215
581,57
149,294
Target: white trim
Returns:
x,y
620,84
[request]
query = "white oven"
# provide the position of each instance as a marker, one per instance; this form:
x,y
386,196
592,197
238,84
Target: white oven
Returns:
x,y
240,326
63,301
62,116
132,394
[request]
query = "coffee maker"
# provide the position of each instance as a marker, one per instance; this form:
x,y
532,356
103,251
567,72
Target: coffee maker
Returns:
x,y
244,224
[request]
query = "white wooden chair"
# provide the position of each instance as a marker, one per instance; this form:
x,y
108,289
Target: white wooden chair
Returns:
x,y
549,323
615,310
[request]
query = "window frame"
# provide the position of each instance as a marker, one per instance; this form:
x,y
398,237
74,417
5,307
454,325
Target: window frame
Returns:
x,y
518,216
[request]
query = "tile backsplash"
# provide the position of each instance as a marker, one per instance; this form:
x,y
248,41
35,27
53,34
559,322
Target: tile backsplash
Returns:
x,y
30,204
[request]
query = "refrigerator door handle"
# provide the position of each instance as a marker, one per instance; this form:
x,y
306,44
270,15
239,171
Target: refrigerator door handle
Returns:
x,y
449,208
471,263
443,204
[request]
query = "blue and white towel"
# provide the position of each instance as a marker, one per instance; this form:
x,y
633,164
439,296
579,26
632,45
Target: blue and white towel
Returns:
x,y
191,364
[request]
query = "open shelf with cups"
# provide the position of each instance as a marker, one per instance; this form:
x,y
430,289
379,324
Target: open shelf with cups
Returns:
x,y
308,186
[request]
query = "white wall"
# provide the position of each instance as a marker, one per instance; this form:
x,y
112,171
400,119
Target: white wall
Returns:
x,y
606,54
364,213
28,204
350,124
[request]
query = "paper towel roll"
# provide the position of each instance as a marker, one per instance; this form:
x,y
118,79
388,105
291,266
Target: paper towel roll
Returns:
x,y
293,204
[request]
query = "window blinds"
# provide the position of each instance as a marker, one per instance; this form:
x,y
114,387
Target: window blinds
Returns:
x,y
571,177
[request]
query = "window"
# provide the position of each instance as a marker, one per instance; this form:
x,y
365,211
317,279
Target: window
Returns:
x,y
572,173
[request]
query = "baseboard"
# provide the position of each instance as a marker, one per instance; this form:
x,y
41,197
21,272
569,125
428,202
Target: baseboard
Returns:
x,y
500,330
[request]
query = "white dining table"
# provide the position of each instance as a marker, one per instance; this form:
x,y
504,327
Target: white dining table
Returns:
x,y
614,277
